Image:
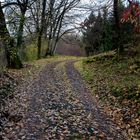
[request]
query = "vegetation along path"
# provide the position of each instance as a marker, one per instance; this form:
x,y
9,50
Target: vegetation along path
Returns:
x,y
57,105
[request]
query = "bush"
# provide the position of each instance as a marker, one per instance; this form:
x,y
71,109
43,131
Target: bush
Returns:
x,y
32,50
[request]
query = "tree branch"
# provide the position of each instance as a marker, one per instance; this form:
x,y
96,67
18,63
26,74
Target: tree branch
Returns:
x,y
9,4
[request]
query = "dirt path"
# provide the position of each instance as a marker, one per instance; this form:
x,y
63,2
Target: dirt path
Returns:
x,y
56,105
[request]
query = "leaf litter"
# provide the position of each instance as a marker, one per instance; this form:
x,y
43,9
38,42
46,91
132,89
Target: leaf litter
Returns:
x,y
52,108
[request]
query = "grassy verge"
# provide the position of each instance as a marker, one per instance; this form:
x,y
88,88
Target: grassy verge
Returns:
x,y
116,82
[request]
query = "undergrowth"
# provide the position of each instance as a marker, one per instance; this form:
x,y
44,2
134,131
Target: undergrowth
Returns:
x,y
32,50
115,80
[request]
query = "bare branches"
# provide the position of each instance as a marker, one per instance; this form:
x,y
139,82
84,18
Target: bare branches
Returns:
x,y
9,4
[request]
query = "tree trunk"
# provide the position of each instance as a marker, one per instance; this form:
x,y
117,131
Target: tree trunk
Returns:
x,y
51,26
13,60
56,32
59,26
117,43
20,32
41,29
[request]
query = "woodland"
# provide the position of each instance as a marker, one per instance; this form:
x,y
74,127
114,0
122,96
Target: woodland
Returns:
x,y
70,69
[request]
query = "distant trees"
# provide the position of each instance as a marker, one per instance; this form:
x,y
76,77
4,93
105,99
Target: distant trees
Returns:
x,y
58,15
48,21
106,31
92,32
44,19
97,33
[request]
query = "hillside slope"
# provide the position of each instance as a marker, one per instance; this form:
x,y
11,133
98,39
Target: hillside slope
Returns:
x,y
115,81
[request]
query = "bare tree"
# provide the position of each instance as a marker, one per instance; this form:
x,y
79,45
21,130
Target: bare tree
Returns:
x,y
40,33
58,12
50,21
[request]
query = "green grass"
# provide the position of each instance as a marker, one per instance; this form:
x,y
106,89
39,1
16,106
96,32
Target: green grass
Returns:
x,y
31,51
115,80
112,75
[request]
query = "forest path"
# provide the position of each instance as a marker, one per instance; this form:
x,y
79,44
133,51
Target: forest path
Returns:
x,y
57,105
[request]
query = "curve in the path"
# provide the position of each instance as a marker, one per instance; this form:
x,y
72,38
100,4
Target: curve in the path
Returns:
x,y
60,107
